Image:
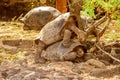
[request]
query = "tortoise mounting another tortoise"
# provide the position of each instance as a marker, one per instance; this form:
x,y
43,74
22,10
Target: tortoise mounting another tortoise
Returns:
x,y
56,30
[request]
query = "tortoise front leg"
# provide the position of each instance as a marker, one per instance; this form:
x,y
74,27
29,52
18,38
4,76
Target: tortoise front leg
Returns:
x,y
39,46
66,38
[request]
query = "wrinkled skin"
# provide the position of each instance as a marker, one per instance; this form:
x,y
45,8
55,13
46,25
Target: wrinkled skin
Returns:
x,y
36,18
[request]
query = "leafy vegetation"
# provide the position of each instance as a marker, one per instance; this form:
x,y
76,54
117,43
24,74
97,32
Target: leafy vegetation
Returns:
x,y
94,7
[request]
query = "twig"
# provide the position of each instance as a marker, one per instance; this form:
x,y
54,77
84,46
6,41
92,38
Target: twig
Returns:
x,y
97,23
19,17
107,53
102,31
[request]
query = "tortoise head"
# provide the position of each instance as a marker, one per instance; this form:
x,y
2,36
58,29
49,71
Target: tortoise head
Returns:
x,y
25,27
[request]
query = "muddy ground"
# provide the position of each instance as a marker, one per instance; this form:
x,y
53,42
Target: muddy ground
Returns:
x,y
17,57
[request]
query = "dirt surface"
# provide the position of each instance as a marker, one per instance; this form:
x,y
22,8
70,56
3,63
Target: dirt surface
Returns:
x,y
17,58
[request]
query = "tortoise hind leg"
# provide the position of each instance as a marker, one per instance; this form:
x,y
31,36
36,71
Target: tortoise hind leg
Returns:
x,y
66,38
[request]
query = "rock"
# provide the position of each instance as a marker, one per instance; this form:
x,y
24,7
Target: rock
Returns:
x,y
82,68
96,63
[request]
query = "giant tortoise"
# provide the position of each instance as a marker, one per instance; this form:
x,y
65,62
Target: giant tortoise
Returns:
x,y
58,52
36,18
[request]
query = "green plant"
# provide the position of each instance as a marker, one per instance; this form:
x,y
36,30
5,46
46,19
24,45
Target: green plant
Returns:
x,y
110,6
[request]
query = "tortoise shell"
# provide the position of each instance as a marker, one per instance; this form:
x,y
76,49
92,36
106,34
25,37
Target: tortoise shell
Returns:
x,y
51,32
36,18
58,52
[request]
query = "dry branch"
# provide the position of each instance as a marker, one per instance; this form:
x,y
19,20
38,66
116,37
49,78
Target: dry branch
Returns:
x,y
107,53
102,31
93,26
